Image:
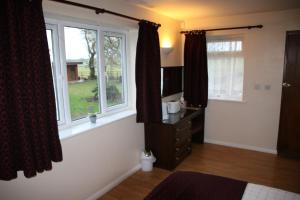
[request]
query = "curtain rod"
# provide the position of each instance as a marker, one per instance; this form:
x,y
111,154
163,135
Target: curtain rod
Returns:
x,y
100,10
221,29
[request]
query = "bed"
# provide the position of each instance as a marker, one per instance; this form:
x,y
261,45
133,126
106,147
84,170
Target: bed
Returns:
x,y
261,192
183,185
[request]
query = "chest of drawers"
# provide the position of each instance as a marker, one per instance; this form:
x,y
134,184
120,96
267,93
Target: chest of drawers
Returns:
x,y
170,141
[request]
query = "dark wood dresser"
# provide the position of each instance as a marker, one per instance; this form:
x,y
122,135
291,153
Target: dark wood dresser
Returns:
x,y
170,140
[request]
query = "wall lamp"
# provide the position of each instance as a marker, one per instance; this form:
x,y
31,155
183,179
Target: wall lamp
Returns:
x,y
166,50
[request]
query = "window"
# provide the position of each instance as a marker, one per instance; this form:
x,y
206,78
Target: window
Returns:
x,y
113,49
51,32
225,68
82,71
89,70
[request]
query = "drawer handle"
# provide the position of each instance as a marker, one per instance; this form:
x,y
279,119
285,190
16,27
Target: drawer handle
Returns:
x,y
177,158
177,149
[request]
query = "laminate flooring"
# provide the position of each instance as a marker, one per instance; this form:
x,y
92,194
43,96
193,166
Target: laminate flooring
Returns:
x,y
255,167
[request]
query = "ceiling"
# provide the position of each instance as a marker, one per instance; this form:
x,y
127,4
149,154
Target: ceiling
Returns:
x,y
188,9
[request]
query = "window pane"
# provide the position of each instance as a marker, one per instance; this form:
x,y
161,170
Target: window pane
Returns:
x,y
224,46
81,64
113,62
49,33
238,77
225,69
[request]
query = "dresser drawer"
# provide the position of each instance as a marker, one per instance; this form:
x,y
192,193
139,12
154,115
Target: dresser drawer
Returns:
x,y
182,133
182,125
183,129
182,154
183,139
180,150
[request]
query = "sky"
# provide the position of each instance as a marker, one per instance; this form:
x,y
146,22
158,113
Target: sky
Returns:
x,y
75,44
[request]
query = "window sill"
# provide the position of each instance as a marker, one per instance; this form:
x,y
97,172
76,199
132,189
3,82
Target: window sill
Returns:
x,y
228,100
87,126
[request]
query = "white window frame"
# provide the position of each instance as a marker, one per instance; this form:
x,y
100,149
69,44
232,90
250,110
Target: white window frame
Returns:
x,y
60,57
110,32
57,76
224,38
62,25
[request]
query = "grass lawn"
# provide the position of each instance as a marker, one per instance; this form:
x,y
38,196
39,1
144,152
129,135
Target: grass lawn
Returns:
x,y
81,99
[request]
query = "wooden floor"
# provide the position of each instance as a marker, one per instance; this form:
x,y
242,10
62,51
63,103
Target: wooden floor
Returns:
x,y
251,166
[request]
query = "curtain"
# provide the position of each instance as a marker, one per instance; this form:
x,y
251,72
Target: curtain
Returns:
x,y
195,69
148,91
29,138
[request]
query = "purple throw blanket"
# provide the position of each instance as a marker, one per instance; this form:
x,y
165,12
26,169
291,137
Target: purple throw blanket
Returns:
x,y
197,186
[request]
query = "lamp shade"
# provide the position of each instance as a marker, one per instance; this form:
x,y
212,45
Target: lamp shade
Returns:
x,y
166,50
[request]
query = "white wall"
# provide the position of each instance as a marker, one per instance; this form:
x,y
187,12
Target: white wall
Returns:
x,y
91,161
254,122
94,159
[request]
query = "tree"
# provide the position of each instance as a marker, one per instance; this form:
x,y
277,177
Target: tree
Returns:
x,y
112,56
90,38
112,60
112,52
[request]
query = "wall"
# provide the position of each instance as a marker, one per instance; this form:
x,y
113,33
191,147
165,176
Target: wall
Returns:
x,y
91,161
95,159
253,123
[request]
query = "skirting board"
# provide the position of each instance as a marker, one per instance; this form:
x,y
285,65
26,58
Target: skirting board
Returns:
x,y
241,146
114,183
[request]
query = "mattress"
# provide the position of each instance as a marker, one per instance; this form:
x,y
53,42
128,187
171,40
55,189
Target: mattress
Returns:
x,y
261,192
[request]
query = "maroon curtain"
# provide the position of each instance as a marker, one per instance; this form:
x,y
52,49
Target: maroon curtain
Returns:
x,y
147,75
29,137
195,69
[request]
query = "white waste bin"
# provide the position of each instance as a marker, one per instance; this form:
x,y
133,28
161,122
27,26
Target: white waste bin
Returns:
x,y
147,162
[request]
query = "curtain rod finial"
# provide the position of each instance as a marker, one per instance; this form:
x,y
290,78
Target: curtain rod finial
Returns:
x,y
260,26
